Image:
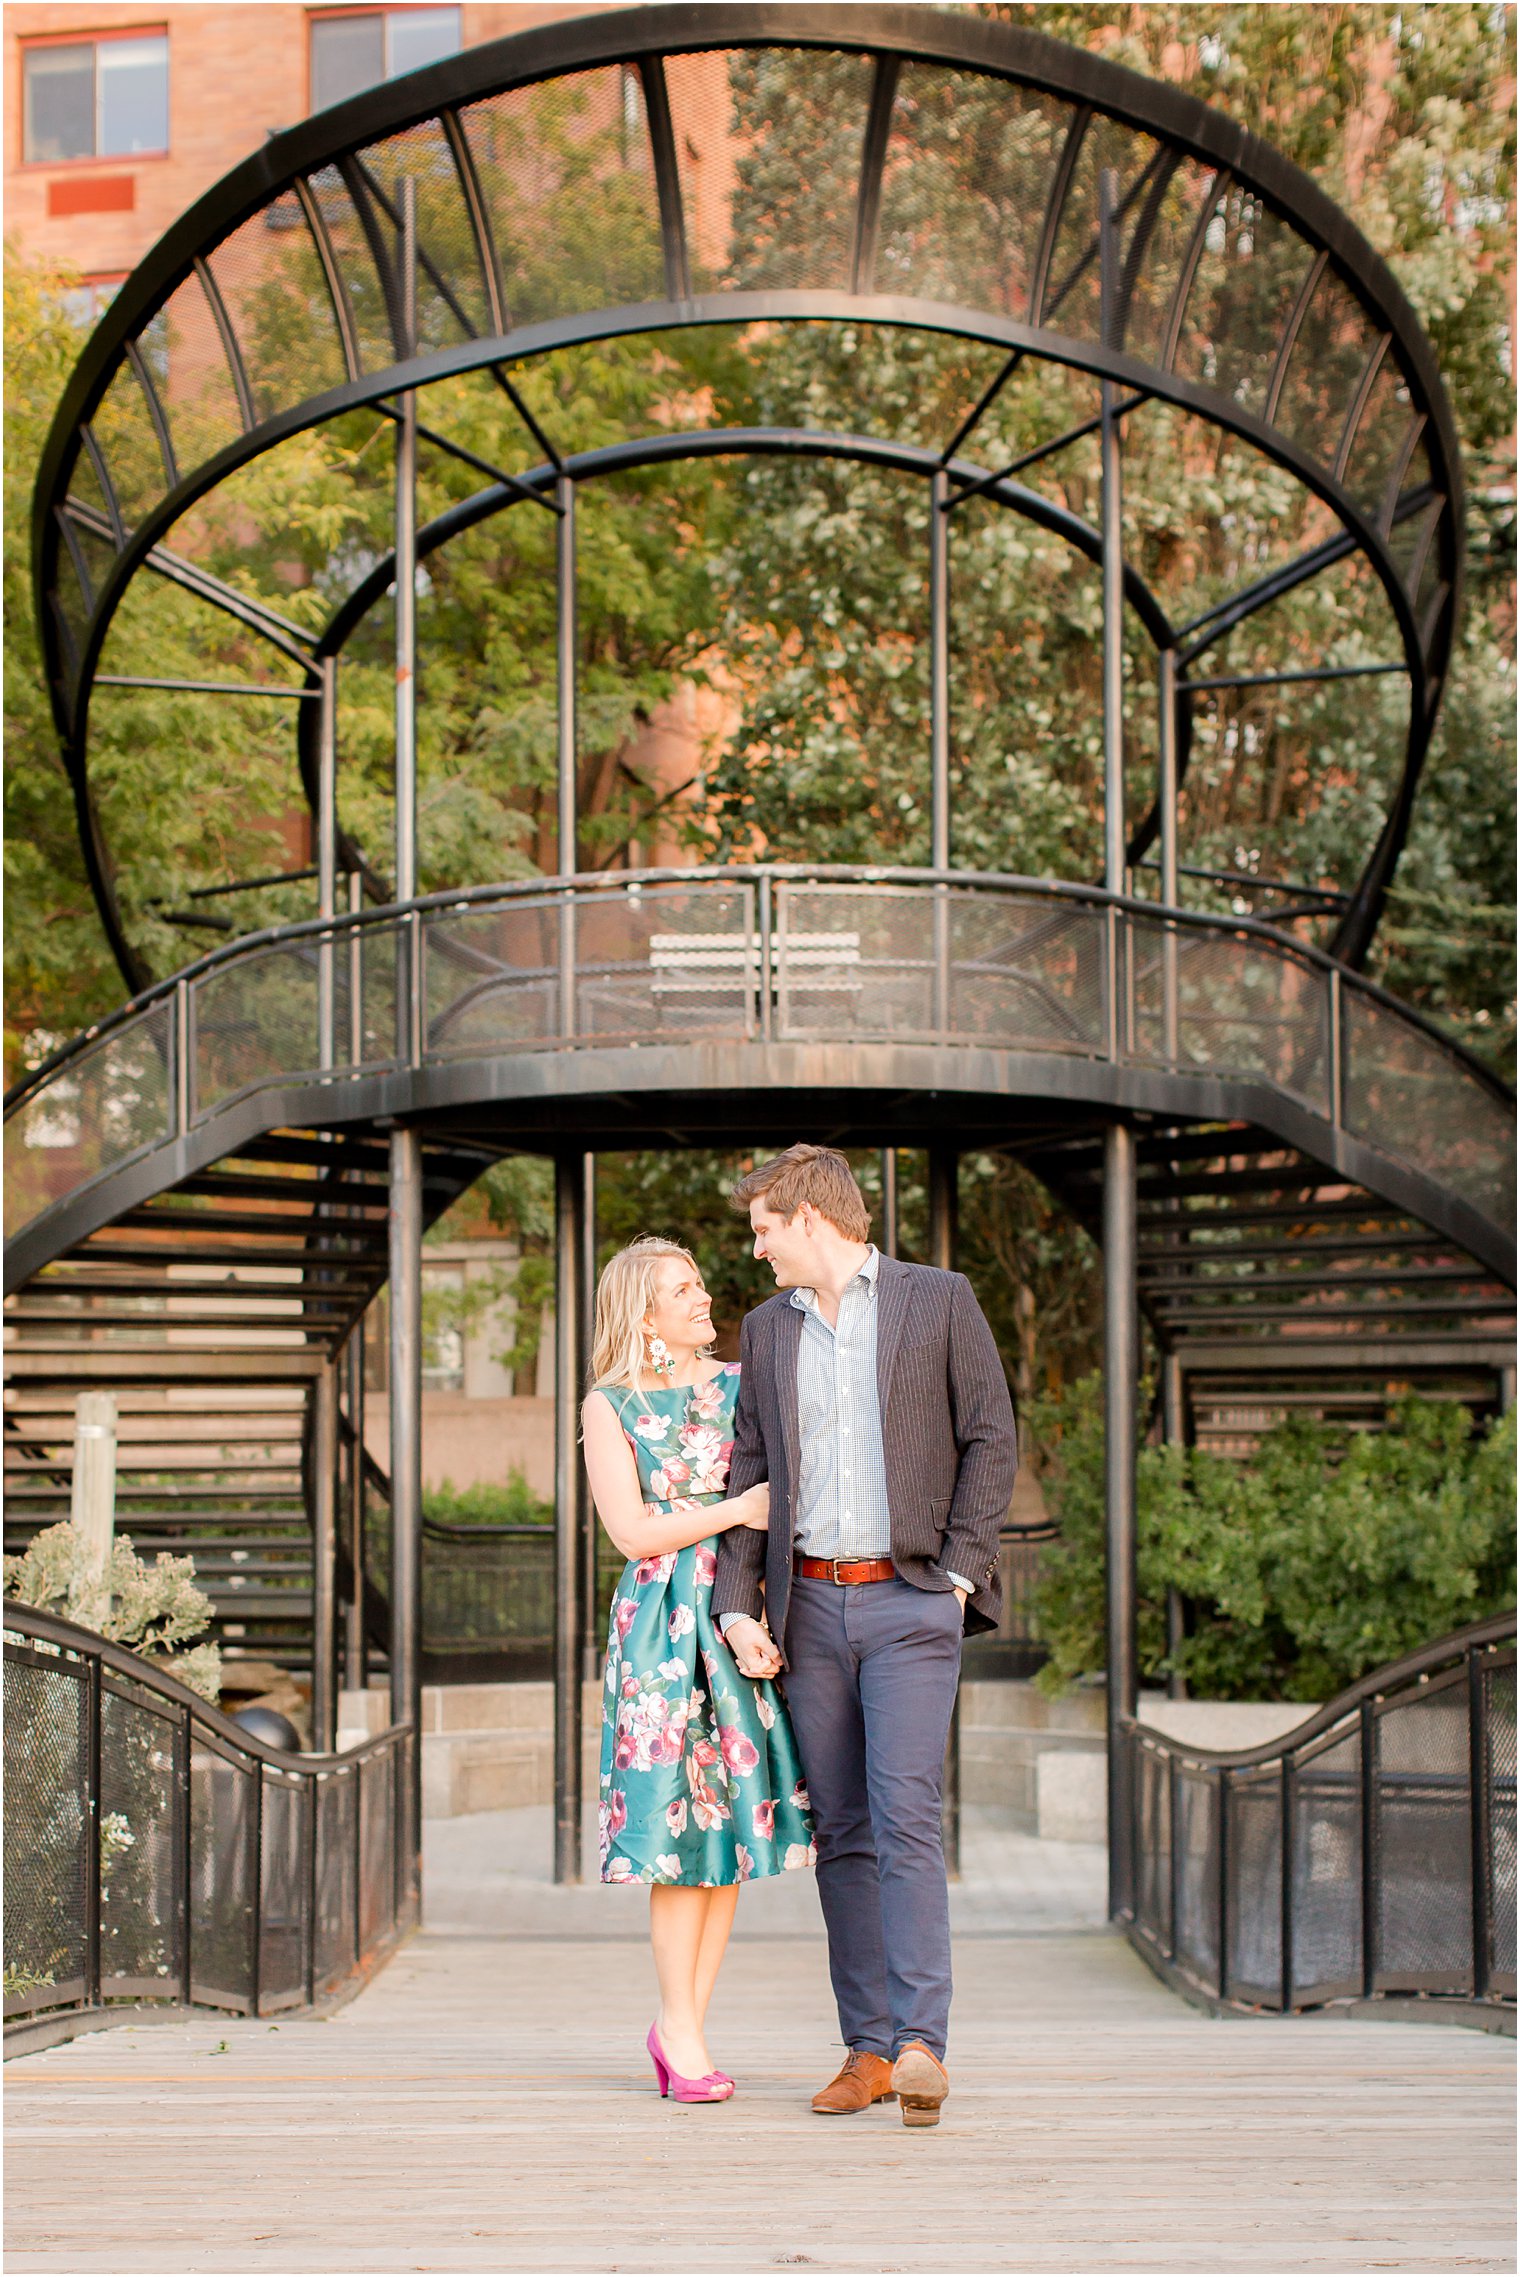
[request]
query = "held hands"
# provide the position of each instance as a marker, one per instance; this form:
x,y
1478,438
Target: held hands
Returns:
x,y
753,1647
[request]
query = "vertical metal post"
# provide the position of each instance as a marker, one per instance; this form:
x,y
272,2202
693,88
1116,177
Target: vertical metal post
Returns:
x,y
184,1059
1480,1809
1369,1786
586,1514
408,977
1285,1841
1121,1364
1113,550
313,1880
355,1656
1171,1010
567,1558
889,1239
767,982
944,1164
355,973
184,1849
327,860
92,1692
939,735
565,679
1174,1433
405,1230
1337,1047
1223,1790
256,1891
324,1558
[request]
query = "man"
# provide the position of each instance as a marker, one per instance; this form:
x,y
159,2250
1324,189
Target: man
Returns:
x,y
873,1400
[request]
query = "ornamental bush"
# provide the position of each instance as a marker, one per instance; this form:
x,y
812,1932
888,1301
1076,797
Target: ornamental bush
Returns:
x,y
1324,1554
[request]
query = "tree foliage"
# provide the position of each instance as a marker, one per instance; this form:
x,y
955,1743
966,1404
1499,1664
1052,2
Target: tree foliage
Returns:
x,y
1324,1556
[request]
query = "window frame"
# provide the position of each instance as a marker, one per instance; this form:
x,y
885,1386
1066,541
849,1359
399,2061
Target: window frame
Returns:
x,y
384,10
29,43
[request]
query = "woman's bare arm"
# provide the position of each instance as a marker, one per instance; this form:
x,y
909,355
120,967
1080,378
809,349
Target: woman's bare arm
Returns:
x,y
614,1476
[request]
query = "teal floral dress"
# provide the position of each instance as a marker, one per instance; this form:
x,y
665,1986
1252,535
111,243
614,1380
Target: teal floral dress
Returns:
x,y
701,1782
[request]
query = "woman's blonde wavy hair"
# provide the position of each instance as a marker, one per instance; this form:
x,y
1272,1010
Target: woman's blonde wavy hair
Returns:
x,y
623,1296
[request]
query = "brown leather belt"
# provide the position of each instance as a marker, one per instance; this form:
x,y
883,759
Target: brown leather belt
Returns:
x,y
845,1571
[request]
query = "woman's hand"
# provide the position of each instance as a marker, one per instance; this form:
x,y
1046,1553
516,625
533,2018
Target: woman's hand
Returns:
x,y
755,1506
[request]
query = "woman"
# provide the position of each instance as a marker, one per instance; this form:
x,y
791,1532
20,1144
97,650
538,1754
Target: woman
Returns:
x,y
701,1785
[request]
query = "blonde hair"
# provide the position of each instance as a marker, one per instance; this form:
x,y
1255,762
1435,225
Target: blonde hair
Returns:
x,y
624,1294
816,1174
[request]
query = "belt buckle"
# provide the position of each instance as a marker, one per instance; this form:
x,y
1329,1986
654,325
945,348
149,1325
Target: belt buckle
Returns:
x,y
836,1563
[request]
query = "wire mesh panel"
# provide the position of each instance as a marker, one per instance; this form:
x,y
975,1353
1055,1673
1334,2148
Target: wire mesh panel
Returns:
x,y
1423,1869
46,1828
377,1865
671,961
1244,1007
224,1864
1327,1870
254,1022
97,1111
364,965
141,1845
1195,1832
492,979
1499,1735
1027,974
1254,1962
854,961
1406,1094
284,1890
1153,1843
337,1878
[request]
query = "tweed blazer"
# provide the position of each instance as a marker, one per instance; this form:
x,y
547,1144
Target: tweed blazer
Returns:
x,y
947,1432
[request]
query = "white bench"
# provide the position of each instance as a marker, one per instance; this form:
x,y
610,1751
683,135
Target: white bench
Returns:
x,y
688,964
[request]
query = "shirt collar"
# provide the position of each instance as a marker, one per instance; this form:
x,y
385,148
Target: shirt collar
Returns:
x,y
806,1300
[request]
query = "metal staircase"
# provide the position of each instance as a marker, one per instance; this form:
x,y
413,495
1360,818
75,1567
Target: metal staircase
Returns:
x,y
212,1310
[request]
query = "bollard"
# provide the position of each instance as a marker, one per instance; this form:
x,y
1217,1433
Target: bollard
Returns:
x,y
92,1508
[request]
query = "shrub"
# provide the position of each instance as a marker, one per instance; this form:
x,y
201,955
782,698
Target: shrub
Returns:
x,y
155,1609
509,1502
1325,1554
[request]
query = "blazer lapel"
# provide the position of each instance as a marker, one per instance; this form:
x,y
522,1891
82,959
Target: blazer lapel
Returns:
x,y
788,1338
893,1283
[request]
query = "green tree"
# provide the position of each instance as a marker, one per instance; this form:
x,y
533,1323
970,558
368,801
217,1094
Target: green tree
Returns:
x,y
1326,1554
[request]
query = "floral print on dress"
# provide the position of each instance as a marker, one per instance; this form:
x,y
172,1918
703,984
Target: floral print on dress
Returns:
x,y
700,1781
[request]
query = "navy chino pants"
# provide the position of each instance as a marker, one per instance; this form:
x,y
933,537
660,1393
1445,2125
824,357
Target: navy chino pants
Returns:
x,y
870,1683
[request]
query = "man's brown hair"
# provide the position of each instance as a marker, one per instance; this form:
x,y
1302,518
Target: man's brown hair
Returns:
x,y
816,1174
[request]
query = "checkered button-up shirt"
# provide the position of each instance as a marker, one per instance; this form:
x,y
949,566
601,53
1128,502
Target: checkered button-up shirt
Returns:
x,y
842,1487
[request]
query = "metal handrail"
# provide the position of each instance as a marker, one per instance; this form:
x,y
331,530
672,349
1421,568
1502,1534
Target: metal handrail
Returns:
x,y
263,1879
1495,1630
342,926
1264,1879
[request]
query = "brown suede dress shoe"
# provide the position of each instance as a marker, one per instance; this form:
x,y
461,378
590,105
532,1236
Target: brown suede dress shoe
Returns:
x,y
920,2083
862,2080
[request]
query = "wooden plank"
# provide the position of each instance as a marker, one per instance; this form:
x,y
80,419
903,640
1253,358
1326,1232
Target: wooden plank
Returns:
x,y
487,2106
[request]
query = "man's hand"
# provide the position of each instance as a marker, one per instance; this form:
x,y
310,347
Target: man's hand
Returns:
x,y
753,1647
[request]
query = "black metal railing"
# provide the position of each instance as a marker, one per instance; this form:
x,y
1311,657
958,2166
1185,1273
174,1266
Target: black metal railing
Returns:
x,y
1368,1854
759,954
157,1853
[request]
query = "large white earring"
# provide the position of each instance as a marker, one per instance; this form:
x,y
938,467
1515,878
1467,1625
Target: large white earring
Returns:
x,y
659,1356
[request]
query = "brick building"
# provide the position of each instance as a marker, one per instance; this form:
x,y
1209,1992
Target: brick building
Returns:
x,y
119,116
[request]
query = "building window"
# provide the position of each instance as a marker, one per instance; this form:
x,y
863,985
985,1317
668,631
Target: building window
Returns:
x,y
360,48
97,98
85,304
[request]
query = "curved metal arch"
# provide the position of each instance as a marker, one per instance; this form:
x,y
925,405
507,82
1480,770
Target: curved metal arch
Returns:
x,y
1087,82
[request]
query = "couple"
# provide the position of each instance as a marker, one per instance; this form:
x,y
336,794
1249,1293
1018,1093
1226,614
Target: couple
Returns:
x,y
866,1448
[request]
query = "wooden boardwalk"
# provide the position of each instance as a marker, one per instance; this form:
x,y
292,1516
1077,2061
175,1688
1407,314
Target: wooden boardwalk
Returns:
x,y
486,2106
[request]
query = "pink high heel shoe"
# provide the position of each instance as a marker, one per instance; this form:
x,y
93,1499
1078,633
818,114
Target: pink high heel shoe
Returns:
x,y
713,2087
